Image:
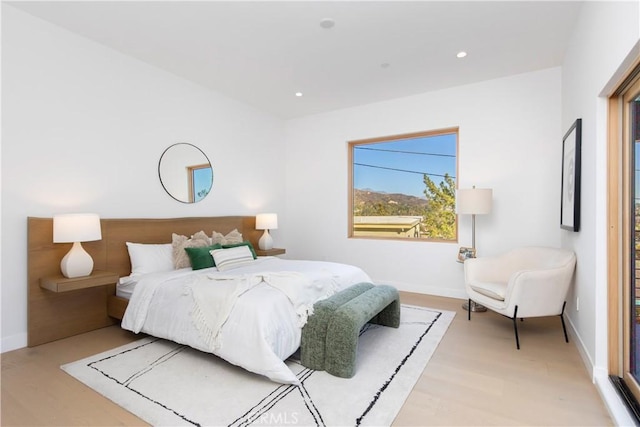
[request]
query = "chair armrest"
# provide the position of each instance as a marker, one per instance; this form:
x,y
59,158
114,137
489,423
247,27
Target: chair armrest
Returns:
x,y
539,292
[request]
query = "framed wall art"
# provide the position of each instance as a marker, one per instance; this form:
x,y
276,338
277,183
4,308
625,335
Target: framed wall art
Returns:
x,y
570,189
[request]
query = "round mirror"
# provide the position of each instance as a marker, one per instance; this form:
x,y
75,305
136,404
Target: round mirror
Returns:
x,y
185,172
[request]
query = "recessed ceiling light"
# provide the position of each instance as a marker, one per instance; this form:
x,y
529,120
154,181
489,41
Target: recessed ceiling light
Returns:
x,y
327,23
298,94
461,54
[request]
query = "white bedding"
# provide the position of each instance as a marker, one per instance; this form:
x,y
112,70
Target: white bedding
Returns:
x,y
262,329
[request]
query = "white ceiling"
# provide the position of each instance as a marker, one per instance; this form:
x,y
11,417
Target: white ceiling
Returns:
x,y
263,52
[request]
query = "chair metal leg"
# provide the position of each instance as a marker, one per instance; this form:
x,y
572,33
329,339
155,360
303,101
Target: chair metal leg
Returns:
x,y
469,310
515,326
564,327
514,319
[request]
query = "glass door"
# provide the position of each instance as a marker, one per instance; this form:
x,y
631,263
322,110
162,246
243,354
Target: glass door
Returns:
x,y
631,139
624,240
623,237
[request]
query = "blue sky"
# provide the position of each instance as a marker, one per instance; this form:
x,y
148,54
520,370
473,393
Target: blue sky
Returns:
x,y
202,179
391,166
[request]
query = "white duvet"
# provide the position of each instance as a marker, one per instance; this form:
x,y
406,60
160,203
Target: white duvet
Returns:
x,y
263,324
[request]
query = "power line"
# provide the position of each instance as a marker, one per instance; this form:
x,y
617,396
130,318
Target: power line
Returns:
x,y
402,170
406,152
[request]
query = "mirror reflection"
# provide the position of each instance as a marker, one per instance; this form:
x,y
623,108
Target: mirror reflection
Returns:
x,y
185,172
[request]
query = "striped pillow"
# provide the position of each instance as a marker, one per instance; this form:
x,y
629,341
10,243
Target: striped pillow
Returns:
x,y
227,259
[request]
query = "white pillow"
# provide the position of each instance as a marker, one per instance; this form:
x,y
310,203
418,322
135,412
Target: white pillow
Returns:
x,y
227,259
150,258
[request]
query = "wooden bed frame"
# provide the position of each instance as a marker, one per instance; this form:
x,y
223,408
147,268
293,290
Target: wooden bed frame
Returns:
x,y
53,316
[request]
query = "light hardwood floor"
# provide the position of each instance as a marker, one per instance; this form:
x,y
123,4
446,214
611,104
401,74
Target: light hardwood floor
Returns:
x,y
476,377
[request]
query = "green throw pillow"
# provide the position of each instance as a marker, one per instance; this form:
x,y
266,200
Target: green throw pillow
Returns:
x,y
200,257
245,243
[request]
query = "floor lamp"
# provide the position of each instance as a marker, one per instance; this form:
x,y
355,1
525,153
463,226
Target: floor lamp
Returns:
x,y
473,201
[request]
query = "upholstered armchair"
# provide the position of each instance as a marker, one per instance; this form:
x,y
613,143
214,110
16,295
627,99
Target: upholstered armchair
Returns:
x,y
524,282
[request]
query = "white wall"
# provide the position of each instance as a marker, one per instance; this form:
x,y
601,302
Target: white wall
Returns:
x,y
510,140
83,128
605,37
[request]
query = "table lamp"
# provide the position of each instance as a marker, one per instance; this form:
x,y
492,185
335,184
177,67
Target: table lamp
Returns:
x,y
266,222
76,228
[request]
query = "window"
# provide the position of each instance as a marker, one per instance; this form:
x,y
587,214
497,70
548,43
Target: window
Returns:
x,y
404,186
200,181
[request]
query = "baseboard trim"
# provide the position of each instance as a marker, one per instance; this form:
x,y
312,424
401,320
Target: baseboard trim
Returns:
x,y
582,350
13,342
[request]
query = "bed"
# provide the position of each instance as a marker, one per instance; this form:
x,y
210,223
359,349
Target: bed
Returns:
x,y
262,328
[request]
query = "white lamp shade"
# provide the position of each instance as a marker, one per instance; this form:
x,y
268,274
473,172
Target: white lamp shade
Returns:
x,y
473,201
266,221
81,227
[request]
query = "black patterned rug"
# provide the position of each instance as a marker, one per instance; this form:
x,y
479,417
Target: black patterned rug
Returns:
x,y
167,384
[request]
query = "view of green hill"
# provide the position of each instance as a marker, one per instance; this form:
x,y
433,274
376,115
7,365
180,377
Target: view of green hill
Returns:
x,y
368,202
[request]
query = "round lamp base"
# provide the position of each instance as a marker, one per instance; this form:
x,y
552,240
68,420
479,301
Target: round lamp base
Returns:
x,y
475,307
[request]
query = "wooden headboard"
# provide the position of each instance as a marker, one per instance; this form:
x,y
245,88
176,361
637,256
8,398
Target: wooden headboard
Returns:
x,y
52,316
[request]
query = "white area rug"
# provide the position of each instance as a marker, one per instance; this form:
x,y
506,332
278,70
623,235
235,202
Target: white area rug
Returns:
x,y
168,384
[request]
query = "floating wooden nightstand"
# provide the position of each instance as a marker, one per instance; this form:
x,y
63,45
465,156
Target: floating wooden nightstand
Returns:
x,y
270,252
64,284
